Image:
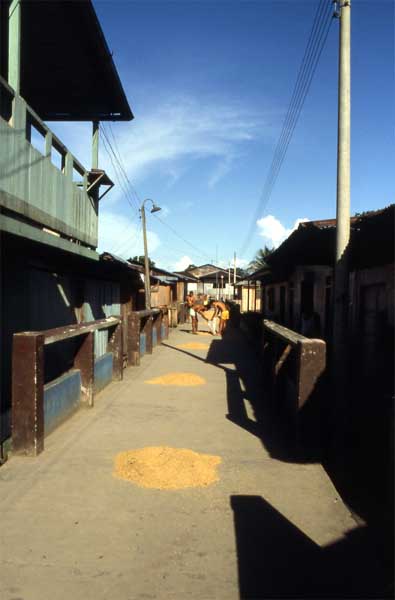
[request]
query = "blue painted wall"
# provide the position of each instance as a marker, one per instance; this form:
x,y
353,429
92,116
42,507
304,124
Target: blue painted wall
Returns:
x,y
143,345
61,399
103,371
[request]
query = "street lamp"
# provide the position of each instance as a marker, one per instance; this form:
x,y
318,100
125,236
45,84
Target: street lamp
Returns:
x,y
147,285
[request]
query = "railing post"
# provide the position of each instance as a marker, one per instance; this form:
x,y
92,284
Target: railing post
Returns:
x,y
68,166
133,342
148,335
19,117
28,393
48,144
159,328
116,347
84,360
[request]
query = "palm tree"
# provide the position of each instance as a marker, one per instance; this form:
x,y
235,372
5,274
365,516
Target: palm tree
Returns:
x,y
259,261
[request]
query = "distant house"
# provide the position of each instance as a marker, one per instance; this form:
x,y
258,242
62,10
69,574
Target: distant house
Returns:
x,y
248,295
211,280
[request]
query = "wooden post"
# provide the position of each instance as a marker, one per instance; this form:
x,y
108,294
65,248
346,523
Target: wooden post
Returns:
x,y
69,165
95,144
84,360
28,393
116,347
14,45
48,144
165,322
148,334
133,341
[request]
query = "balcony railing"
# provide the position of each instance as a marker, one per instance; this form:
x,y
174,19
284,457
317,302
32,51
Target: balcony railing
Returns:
x,y
39,177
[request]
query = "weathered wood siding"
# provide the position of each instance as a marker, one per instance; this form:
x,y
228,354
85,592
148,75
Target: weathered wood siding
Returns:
x,y
31,185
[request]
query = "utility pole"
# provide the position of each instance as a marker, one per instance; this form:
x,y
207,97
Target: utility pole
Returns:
x,y
234,275
341,272
147,285
216,273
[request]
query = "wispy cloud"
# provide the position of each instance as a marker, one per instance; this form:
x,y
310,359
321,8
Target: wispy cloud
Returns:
x,y
182,128
165,138
272,230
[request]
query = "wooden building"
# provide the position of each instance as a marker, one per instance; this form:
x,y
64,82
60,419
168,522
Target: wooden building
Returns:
x,y
51,274
298,281
211,280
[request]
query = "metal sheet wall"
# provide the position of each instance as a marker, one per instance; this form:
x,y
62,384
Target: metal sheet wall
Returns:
x,y
102,299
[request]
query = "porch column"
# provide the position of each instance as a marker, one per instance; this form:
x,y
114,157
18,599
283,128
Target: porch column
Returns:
x,y
95,144
14,45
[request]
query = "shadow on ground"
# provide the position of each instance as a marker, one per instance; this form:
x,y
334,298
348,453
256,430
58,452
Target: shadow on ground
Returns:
x,y
248,405
277,560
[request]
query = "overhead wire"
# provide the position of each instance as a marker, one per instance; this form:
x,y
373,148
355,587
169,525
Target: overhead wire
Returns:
x,y
316,42
119,160
124,182
119,176
119,169
195,248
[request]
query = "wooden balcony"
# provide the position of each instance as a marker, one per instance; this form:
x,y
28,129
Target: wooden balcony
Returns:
x,y
43,184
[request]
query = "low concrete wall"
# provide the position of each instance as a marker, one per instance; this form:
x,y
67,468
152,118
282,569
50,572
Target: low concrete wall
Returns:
x,y
103,371
61,399
143,344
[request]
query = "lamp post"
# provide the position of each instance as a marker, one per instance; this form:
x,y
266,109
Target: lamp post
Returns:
x,y
147,285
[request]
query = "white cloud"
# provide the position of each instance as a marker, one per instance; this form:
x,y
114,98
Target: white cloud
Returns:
x,y
274,231
183,263
122,236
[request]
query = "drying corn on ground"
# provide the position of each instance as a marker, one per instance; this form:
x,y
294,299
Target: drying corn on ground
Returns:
x,y
193,346
167,468
181,379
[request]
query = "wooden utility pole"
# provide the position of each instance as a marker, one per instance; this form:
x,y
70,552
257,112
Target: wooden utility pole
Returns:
x,y
147,282
341,283
95,145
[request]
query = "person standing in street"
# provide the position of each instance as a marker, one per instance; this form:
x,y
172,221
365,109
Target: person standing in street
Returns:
x,y
191,301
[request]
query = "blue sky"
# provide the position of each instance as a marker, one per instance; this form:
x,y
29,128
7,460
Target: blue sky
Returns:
x,y
209,83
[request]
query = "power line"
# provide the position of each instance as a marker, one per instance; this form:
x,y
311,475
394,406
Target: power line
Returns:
x,y
118,176
121,164
120,173
197,250
134,237
316,42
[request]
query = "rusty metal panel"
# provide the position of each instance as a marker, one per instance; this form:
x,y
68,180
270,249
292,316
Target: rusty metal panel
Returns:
x,y
102,299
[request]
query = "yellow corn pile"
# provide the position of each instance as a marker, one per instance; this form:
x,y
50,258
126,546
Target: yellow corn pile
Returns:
x,y
166,468
181,379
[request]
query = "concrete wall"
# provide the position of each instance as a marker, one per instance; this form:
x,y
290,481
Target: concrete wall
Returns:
x,y
61,399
